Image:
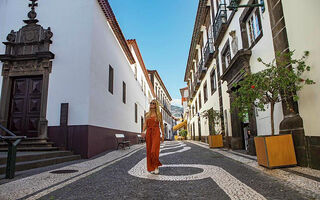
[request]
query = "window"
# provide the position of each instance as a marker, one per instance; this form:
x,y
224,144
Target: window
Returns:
x,y
225,56
124,92
205,92
142,83
254,28
213,81
192,111
196,105
136,113
111,79
135,71
200,101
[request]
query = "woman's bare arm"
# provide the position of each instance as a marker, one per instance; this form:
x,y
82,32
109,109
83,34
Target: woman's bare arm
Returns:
x,y
162,129
144,126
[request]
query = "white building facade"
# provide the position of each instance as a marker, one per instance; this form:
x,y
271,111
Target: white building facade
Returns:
x,y
84,80
224,43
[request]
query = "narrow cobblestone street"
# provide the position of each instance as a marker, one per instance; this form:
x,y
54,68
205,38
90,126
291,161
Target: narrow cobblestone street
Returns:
x,y
189,171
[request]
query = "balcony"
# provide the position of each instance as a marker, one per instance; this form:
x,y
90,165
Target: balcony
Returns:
x,y
190,97
220,23
208,52
194,89
201,70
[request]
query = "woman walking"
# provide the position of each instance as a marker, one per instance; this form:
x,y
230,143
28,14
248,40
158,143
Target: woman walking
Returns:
x,y
152,124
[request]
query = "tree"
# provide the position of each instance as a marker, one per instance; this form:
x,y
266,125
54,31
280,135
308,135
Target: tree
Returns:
x,y
281,80
214,119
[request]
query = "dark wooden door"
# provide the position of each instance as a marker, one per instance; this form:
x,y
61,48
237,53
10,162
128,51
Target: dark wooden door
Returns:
x,y
25,104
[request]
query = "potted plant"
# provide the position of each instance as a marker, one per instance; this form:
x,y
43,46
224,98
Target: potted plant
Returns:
x,y
183,133
279,81
215,139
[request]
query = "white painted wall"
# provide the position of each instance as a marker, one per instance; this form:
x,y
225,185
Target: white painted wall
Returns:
x,y
71,44
106,109
161,91
144,86
83,49
303,34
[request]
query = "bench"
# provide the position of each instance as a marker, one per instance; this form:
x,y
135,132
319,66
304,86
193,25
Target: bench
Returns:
x,y
140,139
121,141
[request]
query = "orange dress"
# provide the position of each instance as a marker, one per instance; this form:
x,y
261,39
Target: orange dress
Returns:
x,y
153,144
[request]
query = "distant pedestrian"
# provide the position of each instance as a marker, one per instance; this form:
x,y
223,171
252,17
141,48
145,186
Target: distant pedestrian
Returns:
x,y
152,124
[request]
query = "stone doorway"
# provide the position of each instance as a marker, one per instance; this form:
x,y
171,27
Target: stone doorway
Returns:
x,y
25,71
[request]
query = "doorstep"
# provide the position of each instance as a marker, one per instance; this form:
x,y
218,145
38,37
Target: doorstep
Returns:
x,y
301,178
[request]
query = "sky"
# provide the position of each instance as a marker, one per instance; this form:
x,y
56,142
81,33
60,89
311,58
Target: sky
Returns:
x,y
163,30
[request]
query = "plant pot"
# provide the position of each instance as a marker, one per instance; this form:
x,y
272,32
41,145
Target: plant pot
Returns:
x,y
275,151
176,137
215,141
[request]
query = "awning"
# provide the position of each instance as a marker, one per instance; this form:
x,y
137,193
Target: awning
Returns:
x,y
179,126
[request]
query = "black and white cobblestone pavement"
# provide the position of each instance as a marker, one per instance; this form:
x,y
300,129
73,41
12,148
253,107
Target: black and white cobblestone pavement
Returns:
x,y
190,171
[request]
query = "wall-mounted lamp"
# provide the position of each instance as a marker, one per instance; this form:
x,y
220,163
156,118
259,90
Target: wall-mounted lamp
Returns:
x,y
234,5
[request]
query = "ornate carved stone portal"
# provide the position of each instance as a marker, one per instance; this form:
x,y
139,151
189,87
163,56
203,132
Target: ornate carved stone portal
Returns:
x,y
26,68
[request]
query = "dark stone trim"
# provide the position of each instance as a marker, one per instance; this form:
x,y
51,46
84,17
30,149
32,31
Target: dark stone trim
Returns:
x,y
223,30
88,140
256,40
239,61
313,149
292,122
244,34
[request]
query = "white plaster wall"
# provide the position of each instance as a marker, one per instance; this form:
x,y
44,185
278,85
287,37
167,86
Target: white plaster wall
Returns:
x,y
140,74
106,109
303,34
263,49
226,106
3,34
71,45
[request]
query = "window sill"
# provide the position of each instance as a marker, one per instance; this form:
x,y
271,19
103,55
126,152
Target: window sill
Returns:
x,y
256,40
213,91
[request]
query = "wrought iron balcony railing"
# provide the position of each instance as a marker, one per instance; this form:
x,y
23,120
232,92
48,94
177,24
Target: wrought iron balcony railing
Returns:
x,y
220,19
208,52
201,72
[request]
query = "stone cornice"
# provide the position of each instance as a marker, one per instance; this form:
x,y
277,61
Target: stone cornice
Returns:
x,y
196,33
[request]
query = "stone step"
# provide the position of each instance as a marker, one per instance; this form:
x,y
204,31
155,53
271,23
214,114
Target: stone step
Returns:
x,y
21,166
30,156
35,139
29,144
33,149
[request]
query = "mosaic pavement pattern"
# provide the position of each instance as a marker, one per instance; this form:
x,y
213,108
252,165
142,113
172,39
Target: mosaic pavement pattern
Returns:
x,y
189,171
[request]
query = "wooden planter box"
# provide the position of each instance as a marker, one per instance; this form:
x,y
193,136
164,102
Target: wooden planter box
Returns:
x,y
215,141
275,151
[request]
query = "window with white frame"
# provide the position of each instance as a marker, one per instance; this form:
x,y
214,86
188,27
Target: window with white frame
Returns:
x,y
254,28
213,81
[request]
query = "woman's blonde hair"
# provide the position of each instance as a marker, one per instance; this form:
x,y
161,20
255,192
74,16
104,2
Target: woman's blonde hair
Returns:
x,y
158,113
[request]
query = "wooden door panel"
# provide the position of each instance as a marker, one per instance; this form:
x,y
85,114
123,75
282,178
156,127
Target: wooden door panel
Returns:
x,y
35,86
19,87
17,106
16,124
34,106
25,106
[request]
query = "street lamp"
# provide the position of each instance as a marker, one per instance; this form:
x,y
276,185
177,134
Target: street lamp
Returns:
x,y
234,5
